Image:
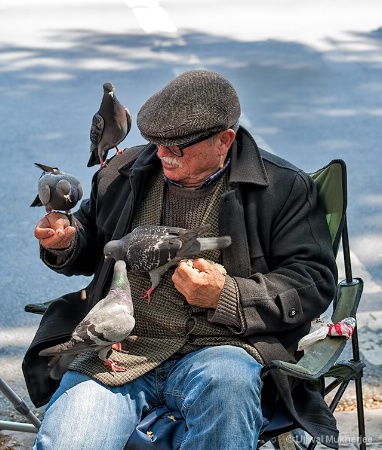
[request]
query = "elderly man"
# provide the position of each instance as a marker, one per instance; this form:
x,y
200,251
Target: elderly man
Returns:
x,y
199,346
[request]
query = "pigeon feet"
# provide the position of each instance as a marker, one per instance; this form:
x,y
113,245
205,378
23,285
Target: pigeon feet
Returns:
x,y
148,294
114,366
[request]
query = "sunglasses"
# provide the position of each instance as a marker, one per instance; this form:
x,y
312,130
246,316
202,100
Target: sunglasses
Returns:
x,y
177,150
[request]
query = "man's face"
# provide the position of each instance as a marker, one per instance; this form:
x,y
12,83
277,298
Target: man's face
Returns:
x,y
199,161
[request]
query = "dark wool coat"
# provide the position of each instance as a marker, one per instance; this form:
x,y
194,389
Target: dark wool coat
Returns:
x,y
281,258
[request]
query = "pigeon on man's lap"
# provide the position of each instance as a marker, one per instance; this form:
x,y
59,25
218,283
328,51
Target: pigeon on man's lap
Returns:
x,y
108,323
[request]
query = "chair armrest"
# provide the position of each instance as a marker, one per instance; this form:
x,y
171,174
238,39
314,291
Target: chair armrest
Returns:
x,y
315,362
321,356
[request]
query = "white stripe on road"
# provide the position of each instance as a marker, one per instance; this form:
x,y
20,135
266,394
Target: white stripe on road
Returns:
x,y
370,333
151,16
358,271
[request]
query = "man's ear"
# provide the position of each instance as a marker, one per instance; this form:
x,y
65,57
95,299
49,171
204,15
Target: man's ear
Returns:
x,y
226,138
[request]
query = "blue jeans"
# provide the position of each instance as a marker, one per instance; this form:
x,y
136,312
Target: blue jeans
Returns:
x,y
216,389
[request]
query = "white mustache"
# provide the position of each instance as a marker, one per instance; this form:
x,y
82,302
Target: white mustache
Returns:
x,y
170,160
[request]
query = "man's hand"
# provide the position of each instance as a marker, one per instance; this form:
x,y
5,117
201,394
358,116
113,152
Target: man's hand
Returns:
x,y
200,282
54,231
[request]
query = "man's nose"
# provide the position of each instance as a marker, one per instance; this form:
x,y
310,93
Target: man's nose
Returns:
x,y
163,151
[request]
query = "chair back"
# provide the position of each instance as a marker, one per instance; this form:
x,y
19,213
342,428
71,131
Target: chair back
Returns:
x,y
331,184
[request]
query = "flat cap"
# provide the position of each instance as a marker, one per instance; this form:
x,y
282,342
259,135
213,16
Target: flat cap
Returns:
x,y
195,103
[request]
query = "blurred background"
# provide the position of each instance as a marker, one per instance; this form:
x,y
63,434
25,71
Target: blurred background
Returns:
x,y
308,74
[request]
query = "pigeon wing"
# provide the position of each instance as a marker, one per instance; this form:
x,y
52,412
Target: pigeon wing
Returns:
x,y
158,230
96,131
129,121
45,184
148,251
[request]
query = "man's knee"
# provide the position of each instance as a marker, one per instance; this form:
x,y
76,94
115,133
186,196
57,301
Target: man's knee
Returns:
x,y
231,369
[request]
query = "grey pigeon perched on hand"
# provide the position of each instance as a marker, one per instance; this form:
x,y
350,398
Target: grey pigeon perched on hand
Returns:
x,y
154,249
108,323
57,191
110,125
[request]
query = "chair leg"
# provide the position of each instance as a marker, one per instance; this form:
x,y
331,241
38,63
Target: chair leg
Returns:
x,y
358,392
21,407
360,409
360,414
338,395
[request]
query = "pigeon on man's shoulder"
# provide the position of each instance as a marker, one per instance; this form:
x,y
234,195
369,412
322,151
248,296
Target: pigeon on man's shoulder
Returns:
x,y
110,125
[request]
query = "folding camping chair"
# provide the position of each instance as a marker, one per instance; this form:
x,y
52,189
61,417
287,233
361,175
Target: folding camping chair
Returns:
x,y
320,362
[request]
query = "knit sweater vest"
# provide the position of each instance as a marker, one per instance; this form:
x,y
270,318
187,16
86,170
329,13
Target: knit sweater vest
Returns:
x,y
168,326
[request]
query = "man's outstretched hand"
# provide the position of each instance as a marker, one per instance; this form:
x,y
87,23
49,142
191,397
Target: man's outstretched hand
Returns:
x,y
54,231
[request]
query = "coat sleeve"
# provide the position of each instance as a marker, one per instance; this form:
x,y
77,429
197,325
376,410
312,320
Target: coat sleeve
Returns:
x,y
298,278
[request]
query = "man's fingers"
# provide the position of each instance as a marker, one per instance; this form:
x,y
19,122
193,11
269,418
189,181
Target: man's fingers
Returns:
x,y
60,224
199,282
43,233
60,238
53,225
185,269
198,265
201,264
54,220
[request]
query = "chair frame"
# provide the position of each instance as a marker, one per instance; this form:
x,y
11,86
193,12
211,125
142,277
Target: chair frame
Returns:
x,y
21,407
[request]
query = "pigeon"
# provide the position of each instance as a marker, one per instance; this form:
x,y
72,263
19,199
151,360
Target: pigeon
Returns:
x,y
154,249
57,190
110,125
108,323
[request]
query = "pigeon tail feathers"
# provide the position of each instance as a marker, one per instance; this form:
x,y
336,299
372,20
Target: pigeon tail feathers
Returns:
x,y
59,364
214,243
48,169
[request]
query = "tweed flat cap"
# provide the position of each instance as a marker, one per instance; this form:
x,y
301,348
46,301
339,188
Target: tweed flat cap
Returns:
x,y
195,103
